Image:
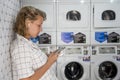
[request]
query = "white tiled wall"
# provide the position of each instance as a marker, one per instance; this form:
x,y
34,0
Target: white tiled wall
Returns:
x,y
8,11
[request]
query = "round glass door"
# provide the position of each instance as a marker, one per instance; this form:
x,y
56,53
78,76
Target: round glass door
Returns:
x,y
107,70
73,71
73,15
108,15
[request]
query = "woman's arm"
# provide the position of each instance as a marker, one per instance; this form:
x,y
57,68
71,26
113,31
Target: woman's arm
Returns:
x,y
41,71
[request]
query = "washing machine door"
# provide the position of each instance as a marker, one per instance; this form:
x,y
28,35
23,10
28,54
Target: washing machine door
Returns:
x,y
106,15
72,71
107,70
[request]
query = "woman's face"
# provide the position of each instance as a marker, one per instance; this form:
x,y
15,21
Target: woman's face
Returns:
x,y
34,27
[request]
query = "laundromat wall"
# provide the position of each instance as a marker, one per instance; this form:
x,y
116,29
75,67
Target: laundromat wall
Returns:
x,y
60,28
8,11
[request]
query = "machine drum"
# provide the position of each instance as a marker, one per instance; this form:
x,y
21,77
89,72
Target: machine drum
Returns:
x,y
107,70
73,71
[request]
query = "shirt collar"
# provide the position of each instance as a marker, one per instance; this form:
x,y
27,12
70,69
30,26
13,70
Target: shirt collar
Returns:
x,y
21,38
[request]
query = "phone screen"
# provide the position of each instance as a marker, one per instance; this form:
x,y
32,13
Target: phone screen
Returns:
x,y
60,49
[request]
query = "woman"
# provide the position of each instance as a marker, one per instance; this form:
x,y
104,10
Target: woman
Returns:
x,y
28,62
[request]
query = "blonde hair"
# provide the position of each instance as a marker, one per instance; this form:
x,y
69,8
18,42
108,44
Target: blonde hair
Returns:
x,y
27,12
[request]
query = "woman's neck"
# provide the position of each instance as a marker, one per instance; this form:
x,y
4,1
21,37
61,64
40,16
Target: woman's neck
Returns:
x,y
27,37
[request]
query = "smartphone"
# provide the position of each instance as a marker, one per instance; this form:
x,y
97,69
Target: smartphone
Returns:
x,y
60,49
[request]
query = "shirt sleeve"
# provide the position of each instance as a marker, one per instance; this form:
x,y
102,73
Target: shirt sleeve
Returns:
x,y
22,62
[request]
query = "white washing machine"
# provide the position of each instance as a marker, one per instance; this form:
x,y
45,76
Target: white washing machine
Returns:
x,y
74,63
105,13
73,14
105,63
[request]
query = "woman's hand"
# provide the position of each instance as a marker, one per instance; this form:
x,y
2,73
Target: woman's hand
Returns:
x,y
52,57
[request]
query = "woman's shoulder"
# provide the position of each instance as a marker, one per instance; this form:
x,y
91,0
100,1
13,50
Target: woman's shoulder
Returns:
x,y
18,45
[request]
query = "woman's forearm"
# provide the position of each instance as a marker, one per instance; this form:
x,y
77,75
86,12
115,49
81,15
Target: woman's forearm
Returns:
x,y
39,72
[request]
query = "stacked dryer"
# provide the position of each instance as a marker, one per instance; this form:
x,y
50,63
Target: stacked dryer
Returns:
x,y
105,40
105,26
72,17
73,33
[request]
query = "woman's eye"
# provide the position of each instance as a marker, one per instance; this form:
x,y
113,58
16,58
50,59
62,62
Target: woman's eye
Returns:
x,y
39,25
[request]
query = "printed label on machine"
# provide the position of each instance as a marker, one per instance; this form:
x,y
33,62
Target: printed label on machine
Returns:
x,y
45,39
100,36
67,37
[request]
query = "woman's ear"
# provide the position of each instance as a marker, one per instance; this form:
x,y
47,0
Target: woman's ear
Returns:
x,y
28,23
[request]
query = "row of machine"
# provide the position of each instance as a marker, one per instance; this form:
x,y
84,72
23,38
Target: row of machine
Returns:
x,y
90,32
78,38
87,62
